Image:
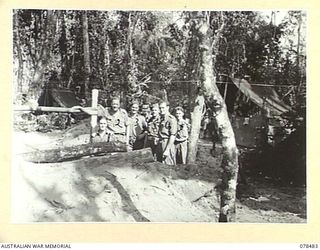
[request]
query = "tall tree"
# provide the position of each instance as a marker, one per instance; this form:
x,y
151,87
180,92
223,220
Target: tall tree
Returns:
x,y
46,26
191,72
18,49
196,116
86,51
130,64
208,43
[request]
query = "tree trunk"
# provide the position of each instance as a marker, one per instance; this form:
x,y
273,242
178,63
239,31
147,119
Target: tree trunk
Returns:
x,y
196,101
298,53
86,51
74,152
196,116
19,53
63,49
130,76
120,159
224,129
49,34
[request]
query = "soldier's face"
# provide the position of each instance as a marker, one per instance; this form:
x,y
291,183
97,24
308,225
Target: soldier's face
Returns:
x,y
145,109
155,111
163,108
134,109
179,114
115,105
103,124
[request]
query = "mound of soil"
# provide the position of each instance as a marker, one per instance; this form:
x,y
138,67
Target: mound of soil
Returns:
x,y
127,192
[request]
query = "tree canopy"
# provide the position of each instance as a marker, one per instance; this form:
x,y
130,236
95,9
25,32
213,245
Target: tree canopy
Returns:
x,y
134,51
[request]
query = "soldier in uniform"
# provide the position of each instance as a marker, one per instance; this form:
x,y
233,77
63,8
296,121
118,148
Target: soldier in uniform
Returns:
x,y
167,135
103,135
117,121
152,138
137,126
181,142
145,111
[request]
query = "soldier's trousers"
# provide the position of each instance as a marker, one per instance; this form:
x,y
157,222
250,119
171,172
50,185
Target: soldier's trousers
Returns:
x,y
181,152
151,143
171,158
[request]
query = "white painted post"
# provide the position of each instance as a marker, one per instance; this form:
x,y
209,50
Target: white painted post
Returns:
x,y
94,105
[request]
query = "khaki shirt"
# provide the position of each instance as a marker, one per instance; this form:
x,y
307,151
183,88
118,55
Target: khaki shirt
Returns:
x,y
168,126
153,126
182,131
97,137
137,124
117,122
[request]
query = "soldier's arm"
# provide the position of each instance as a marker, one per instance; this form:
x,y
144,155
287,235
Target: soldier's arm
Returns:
x,y
183,134
173,132
144,129
126,123
172,138
101,110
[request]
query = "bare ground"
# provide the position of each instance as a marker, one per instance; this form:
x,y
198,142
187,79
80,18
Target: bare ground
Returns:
x,y
123,192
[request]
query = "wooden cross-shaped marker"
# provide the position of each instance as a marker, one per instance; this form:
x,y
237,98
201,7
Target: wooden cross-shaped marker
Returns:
x,y
76,109
94,106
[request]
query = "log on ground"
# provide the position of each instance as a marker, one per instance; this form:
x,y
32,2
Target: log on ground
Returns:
x,y
73,152
117,159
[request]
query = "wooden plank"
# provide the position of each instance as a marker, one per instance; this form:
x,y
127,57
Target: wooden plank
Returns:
x,y
75,109
94,105
74,152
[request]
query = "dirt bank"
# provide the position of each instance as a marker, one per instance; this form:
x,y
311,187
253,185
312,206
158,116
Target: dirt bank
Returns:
x,y
126,192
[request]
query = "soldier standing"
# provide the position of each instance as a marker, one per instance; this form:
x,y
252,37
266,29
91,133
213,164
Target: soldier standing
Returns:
x,y
137,126
117,121
181,142
167,135
152,139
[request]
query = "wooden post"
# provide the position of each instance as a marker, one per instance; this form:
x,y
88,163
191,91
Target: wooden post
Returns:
x,y
225,91
94,105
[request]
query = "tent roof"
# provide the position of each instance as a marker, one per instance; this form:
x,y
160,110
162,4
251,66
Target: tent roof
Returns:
x,y
265,97
63,97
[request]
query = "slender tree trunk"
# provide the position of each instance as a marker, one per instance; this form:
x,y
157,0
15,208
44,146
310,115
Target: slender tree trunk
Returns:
x,y
131,67
19,53
196,116
196,101
298,53
86,51
225,132
49,34
63,49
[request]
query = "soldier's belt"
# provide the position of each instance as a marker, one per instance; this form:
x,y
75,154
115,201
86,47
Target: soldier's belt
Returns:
x,y
152,136
178,142
163,138
119,133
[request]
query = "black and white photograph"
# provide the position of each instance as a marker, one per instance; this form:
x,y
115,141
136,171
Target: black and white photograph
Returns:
x,y
175,116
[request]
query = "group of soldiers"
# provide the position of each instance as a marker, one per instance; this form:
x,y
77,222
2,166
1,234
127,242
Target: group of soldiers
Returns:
x,y
154,127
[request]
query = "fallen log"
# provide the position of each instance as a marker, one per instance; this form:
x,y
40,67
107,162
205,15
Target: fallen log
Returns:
x,y
73,152
118,159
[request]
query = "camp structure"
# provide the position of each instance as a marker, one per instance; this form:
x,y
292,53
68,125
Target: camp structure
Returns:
x,y
263,96
255,112
54,97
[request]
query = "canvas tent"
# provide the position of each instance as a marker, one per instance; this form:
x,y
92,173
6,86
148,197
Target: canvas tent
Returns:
x,y
53,97
264,126
263,96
